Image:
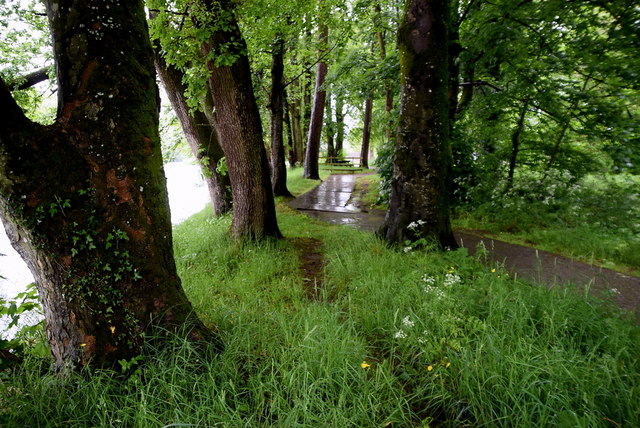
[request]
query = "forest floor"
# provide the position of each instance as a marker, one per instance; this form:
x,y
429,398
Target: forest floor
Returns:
x,y
335,201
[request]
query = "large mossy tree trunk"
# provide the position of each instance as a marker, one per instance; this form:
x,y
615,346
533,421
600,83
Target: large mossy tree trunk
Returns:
x,y
84,200
239,126
276,105
311,167
200,133
420,192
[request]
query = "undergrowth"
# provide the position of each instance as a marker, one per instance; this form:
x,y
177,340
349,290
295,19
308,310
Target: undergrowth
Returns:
x,y
397,339
595,219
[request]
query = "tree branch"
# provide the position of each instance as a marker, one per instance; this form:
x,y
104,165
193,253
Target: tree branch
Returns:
x,y
482,83
30,79
307,69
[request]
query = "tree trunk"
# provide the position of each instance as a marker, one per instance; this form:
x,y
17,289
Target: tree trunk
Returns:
x,y
388,94
291,146
515,142
84,200
330,131
276,105
420,191
366,133
200,134
312,153
240,130
339,146
296,131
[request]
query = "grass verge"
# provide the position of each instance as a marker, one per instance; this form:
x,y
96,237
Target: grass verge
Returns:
x,y
402,339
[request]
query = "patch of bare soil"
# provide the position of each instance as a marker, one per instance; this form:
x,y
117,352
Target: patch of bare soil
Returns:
x,y
311,263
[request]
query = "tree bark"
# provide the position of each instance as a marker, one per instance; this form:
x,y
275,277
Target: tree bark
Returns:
x,y
295,117
311,169
290,148
276,105
420,191
339,147
240,128
84,200
200,134
366,133
330,131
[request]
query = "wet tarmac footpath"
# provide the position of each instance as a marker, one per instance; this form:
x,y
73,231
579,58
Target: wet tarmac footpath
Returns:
x,y
333,202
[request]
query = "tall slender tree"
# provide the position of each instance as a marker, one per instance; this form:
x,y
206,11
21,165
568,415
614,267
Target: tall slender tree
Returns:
x,y
311,168
200,132
419,205
276,105
84,200
366,132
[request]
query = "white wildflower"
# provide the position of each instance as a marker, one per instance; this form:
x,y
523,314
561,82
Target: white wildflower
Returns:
x,y
400,335
451,279
430,280
406,321
406,249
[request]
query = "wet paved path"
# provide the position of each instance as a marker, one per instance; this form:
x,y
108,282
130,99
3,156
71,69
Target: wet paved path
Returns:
x,y
332,202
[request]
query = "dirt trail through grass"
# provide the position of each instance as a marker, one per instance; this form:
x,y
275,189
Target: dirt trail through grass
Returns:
x,y
311,263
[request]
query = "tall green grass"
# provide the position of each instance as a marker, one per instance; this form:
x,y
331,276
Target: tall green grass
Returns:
x,y
397,339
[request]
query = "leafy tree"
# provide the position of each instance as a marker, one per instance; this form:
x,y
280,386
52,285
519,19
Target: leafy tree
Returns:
x,y
84,199
276,105
214,28
312,153
200,132
569,63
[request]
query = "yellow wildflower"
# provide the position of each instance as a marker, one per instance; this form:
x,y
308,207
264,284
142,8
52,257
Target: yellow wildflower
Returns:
x,y
365,365
493,270
447,365
429,368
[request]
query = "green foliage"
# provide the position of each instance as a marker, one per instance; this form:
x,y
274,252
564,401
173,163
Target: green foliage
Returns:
x,y
384,166
25,47
172,139
26,326
595,218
